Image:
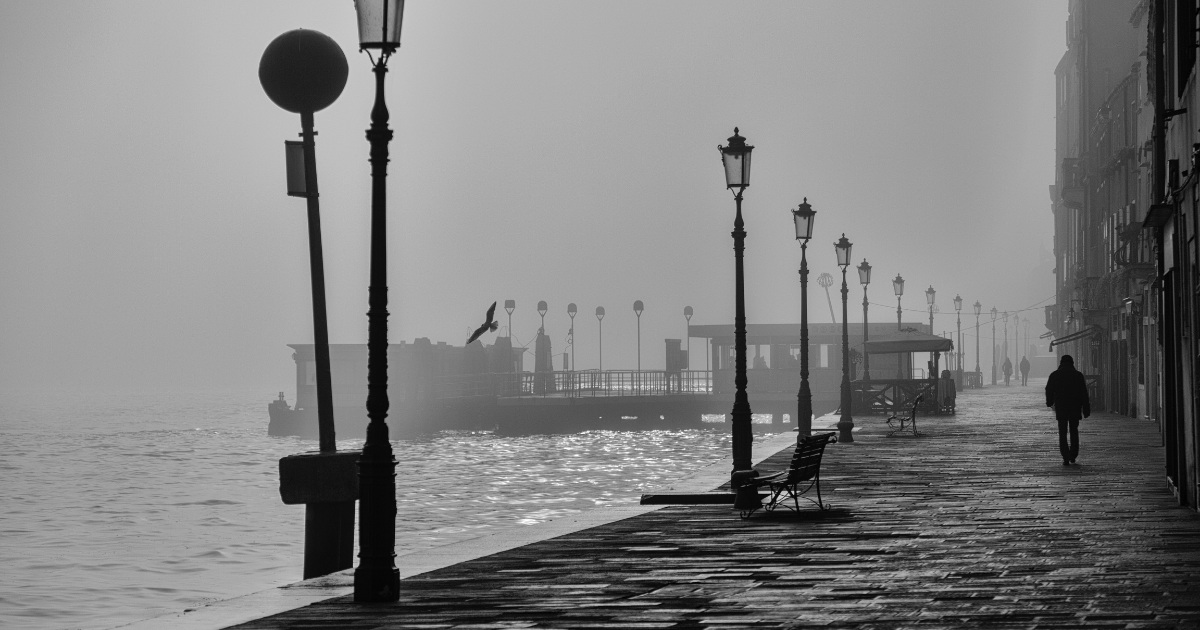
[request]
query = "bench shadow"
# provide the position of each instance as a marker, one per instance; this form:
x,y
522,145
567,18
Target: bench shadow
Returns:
x,y
813,515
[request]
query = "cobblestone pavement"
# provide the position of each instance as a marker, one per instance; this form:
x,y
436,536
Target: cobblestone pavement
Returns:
x,y
975,524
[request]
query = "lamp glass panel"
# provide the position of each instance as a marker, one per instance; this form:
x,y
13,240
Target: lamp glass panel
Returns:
x,y
930,294
957,303
804,224
977,307
864,273
898,285
379,23
843,248
734,167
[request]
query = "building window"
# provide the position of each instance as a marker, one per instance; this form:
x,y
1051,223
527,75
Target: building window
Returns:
x,y
1185,41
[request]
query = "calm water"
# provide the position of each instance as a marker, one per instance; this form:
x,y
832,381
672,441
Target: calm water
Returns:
x,y
118,507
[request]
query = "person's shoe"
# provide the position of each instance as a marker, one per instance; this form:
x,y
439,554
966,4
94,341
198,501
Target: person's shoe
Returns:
x,y
1066,463
1072,461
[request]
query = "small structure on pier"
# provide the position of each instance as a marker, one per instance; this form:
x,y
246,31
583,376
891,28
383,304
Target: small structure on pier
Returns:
x,y
894,395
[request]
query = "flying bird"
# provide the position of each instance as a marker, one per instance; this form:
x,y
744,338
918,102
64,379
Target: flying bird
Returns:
x,y
489,324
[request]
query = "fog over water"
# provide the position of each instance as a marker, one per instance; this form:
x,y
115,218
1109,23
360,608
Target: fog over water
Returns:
x,y
543,151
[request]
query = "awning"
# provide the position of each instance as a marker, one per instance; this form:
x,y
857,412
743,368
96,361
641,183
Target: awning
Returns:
x,y
908,342
1083,334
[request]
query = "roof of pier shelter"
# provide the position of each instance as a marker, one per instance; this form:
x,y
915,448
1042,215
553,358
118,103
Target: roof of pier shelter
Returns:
x,y
789,334
909,341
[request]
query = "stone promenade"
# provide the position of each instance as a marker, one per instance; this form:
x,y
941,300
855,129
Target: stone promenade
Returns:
x,y
975,524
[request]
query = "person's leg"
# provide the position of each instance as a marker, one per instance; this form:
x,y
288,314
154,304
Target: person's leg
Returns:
x,y
1063,447
1074,426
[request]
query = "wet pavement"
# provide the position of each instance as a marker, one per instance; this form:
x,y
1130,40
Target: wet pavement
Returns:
x,y
975,524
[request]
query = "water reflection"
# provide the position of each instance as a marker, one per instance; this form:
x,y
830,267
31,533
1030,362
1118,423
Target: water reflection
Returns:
x,y
457,485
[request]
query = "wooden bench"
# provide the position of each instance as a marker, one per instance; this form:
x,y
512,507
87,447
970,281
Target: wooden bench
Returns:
x,y
802,475
899,424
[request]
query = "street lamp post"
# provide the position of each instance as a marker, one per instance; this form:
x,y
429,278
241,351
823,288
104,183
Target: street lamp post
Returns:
x,y
803,217
930,296
846,423
687,316
1026,348
735,157
638,307
510,306
958,361
571,311
377,579
898,285
600,319
542,307
993,312
864,278
304,71
1005,317
978,306
1016,342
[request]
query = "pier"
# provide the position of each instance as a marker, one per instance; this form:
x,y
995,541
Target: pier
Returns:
x,y
436,386
975,524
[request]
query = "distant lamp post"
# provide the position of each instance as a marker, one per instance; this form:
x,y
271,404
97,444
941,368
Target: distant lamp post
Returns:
x,y
994,312
1004,318
846,423
303,72
377,579
600,319
958,355
930,295
864,278
637,309
735,157
687,317
978,306
510,306
804,217
541,309
898,286
571,311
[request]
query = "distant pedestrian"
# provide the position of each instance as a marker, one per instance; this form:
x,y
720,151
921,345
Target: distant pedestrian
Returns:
x,y
1066,391
1024,371
1007,370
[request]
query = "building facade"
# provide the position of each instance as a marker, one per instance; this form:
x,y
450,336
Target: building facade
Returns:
x,y
1125,208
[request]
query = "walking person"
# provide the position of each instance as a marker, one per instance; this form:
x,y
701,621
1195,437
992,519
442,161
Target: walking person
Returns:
x,y
1066,391
1024,371
1007,370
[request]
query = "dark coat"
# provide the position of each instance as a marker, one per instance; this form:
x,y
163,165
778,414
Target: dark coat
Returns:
x,y
1024,365
1066,391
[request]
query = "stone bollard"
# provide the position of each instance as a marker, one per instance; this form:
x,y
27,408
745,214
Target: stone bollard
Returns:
x,y
327,484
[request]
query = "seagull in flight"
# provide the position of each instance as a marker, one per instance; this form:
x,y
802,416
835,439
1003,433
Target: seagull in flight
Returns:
x,y
489,324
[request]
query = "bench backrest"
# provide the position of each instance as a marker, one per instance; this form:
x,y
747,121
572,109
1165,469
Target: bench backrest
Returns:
x,y
916,403
806,460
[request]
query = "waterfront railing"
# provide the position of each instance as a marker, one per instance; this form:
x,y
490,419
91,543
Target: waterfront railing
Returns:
x,y
576,384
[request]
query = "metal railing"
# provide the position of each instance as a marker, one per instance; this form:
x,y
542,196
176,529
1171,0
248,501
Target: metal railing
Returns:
x,y
576,384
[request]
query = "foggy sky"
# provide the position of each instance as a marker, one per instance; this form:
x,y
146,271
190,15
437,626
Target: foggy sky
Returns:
x,y
552,151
